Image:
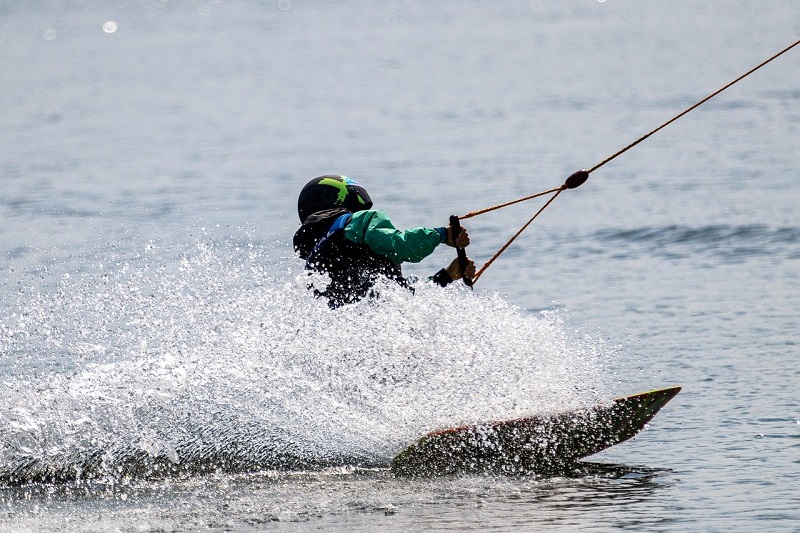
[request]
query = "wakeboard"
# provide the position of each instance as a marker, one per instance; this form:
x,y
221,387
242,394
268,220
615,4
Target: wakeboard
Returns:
x,y
536,444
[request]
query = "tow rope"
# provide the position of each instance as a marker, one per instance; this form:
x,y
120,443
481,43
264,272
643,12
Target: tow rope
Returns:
x,y
579,177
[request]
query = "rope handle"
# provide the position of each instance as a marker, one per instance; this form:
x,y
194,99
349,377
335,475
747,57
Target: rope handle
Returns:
x,y
455,226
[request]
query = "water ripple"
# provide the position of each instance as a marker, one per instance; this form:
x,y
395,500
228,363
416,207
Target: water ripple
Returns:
x,y
730,241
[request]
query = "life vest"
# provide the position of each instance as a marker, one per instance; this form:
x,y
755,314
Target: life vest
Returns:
x,y
353,268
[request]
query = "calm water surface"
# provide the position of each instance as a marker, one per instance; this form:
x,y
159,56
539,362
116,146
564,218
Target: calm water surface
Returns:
x,y
152,314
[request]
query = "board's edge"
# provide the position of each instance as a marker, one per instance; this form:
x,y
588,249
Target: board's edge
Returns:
x,y
656,400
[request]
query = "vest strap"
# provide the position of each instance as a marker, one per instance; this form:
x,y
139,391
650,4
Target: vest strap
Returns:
x,y
337,225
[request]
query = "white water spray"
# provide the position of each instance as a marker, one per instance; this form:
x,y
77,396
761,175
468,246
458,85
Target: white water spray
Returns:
x,y
213,361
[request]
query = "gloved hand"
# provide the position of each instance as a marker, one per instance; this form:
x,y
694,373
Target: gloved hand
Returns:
x,y
455,272
461,241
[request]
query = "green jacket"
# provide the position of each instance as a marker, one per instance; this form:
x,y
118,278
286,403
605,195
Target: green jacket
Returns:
x,y
374,229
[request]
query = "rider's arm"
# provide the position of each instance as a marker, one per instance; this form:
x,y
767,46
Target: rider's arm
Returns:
x,y
374,229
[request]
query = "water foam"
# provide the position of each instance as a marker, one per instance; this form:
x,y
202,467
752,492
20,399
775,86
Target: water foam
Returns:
x,y
222,360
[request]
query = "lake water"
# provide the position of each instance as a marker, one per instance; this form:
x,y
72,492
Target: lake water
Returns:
x,y
153,316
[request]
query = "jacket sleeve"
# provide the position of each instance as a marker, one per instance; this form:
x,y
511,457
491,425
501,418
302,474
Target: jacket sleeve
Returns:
x,y
374,229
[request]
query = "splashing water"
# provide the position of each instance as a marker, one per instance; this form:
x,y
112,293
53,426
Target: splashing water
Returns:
x,y
210,361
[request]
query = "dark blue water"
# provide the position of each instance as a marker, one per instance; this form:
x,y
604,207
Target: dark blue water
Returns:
x,y
163,367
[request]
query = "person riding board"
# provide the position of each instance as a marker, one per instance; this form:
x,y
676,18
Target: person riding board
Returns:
x,y
341,235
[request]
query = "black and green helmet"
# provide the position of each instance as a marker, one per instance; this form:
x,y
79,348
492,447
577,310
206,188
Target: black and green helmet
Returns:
x,y
328,192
